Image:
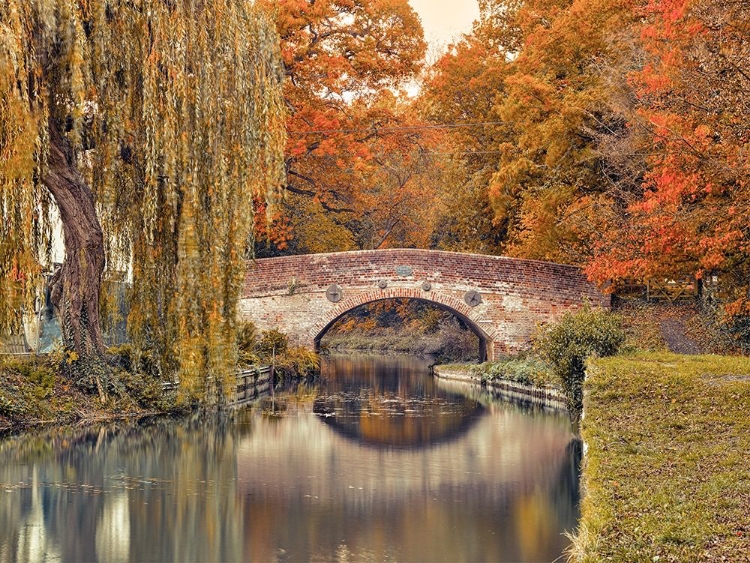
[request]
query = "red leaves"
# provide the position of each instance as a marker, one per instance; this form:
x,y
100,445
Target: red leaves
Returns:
x,y
692,216
341,59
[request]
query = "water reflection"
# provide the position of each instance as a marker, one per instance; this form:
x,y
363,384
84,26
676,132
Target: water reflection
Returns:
x,y
299,477
135,493
388,401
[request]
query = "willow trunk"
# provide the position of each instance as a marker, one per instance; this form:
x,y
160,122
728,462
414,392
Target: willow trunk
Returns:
x,y
76,286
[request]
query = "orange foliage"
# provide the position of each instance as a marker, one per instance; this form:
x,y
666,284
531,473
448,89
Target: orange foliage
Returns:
x,y
693,99
353,181
623,137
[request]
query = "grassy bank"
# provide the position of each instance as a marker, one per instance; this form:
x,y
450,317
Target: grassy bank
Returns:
x,y
527,369
33,391
667,473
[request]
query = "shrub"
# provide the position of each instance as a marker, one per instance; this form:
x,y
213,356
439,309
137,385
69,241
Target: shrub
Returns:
x,y
566,344
298,361
247,344
247,336
272,342
273,345
130,359
738,329
144,390
10,408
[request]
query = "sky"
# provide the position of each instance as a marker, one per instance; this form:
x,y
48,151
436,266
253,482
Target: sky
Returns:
x,y
444,20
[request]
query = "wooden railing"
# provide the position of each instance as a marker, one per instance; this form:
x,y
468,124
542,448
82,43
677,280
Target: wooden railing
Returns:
x,y
251,383
14,345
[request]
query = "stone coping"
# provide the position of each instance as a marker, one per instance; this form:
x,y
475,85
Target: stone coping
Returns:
x,y
547,396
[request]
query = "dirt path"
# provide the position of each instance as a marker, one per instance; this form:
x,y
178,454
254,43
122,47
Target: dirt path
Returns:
x,y
674,333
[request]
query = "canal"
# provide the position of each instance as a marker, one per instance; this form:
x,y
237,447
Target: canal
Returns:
x,y
377,461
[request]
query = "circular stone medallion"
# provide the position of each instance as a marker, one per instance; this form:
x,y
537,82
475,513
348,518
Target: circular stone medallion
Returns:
x,y
426,286
334,293
473,298
382,284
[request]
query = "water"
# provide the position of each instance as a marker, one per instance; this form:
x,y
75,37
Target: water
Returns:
x,y
378,462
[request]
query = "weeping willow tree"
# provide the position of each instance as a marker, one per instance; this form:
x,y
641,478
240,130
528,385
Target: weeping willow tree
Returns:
x,y
150,125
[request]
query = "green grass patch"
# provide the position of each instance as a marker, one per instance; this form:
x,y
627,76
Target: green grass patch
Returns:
x,y
526,369
667,472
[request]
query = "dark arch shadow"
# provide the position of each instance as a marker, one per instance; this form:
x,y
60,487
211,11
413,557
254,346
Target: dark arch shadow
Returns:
x,y
484,339
422,436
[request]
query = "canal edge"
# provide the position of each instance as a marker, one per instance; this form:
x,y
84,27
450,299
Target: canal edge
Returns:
x,y
544,396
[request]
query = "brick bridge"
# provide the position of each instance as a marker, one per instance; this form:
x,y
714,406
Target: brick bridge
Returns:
x,y
501,299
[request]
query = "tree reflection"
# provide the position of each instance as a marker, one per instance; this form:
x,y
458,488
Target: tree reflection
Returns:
x,y
84,494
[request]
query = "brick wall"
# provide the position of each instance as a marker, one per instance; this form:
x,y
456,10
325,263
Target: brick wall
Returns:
x,y
289,293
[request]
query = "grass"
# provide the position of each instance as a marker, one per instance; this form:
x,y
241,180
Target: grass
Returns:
x,y
667,472
526,369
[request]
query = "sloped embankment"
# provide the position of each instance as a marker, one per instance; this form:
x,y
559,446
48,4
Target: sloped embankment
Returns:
x,y
667,471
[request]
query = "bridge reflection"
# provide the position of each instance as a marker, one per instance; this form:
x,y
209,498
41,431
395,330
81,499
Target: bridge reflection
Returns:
x,y
391,405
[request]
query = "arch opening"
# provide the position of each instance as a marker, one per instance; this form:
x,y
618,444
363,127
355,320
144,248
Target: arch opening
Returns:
x,y
386,319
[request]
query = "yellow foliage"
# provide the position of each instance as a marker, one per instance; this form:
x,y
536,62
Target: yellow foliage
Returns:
x,y
176,116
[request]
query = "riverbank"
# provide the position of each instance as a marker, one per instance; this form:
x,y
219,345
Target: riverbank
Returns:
x,y
33,392
667,471
445,347
447,341
538,392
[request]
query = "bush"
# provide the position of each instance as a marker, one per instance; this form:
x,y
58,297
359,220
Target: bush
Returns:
x,y
130,359
10,408
247,344
37,371
738,329
272,342
273,347
297,361
566,344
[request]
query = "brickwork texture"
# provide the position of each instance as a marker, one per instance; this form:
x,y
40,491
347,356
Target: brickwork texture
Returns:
x,y
289,293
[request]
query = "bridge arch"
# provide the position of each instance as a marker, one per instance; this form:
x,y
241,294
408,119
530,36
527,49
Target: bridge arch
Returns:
x,y
487,334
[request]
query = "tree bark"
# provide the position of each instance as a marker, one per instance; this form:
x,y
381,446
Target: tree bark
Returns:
x,y
76,287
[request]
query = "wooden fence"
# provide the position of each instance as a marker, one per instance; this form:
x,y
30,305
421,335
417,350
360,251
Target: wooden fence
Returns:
x,y
251,384
14,345
653,289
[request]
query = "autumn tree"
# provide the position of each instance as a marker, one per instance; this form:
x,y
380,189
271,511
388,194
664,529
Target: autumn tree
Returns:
x,y
691,113
149,125
624,134
346,61
529,78
462,90
550,178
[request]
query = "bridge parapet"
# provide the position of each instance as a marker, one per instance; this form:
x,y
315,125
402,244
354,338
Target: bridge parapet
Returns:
x,y
289,293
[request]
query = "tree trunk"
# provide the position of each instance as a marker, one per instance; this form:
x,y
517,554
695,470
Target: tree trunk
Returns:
x,y
76,287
